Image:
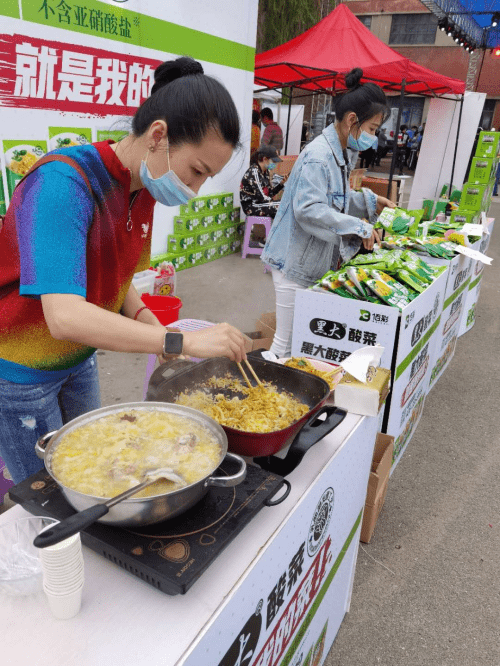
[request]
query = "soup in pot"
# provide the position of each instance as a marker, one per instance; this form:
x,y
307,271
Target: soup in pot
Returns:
x,y
109,455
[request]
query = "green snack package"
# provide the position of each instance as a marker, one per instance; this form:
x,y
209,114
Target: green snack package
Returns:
x,y
428,205
372,258
358,275
336,287
412,280
397,221
348,284
388,295
394,284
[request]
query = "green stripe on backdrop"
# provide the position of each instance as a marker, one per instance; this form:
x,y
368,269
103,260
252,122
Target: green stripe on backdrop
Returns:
x,y
416,350
320,596
456,293
98,19
9,8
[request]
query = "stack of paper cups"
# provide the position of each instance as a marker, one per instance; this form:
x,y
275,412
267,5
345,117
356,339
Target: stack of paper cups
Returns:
x,y
62,567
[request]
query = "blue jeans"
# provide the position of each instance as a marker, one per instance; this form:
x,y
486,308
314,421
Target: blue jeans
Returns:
x,y
28,411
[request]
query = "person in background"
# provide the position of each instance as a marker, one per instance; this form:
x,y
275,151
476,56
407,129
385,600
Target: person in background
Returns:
x,y
255,136
304,135
402,140
66,270
382,146
411,134
321,222
273,135
256,191
368,156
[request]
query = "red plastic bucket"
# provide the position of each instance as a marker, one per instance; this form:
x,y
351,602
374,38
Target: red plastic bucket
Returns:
x,y
166,308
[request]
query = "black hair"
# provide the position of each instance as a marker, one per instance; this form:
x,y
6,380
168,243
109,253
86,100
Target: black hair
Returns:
x,y
255,117
366,100
267,113
190,102
257,157
403,127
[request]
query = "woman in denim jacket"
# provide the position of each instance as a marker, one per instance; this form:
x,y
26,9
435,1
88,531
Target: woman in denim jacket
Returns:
x,y
320,222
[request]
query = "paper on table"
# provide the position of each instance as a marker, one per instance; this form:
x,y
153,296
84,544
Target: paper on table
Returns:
x,y
474,229
474,254
358,362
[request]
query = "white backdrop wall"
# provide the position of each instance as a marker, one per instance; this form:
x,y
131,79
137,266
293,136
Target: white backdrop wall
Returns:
x,y
438,146
280,113
229,58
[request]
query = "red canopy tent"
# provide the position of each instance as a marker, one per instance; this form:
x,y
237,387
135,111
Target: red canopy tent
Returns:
x,y
317,60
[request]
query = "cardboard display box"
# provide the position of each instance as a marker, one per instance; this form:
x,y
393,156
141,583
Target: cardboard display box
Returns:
x,y
379,187
365,399
262,337
377,484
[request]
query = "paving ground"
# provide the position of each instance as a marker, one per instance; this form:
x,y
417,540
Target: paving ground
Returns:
x,y
427,589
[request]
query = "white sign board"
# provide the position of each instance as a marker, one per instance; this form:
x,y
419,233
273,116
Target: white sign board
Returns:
x,y
477,270
293,599
328,327
419,323
436,156
87,66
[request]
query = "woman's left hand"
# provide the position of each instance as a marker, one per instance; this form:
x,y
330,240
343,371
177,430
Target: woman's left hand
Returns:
x,y
382,203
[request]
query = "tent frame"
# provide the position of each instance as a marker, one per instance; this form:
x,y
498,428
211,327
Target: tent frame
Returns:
x,y
401,87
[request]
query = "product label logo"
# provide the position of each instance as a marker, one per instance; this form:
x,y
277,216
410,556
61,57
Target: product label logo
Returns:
x,y
320,522
364,315
328,329
242,650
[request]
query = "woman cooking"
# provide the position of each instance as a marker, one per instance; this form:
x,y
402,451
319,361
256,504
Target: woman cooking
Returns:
x,y
320,222
76,231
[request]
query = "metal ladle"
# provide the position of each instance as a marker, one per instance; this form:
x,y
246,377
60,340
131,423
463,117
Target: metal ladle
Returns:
x,y
79,521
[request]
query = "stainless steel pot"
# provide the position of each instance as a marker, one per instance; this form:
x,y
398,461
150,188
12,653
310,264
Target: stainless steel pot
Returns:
x,y
144,510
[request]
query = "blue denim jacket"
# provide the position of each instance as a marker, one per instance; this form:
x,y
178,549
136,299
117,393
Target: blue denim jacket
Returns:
x,y
310,231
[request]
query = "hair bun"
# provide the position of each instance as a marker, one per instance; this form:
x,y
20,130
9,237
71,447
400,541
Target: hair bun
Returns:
x,y
175,69
353,78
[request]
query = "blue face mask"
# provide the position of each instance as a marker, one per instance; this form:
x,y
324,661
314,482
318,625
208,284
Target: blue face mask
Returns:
x,y
167,189
363,142
271,166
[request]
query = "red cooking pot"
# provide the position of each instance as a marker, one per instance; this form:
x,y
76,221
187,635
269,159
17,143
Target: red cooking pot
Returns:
x,y
170,380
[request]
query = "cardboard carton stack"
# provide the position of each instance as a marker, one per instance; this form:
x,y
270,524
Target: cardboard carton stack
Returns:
x,y
206,229
377,484
477,192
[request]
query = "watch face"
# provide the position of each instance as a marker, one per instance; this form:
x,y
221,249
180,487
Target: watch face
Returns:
x,y
173,343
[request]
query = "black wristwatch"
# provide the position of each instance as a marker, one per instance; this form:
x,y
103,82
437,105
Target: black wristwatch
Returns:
x,y
172,344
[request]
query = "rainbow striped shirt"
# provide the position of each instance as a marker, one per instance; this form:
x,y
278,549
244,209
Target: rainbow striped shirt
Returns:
x,y
58,238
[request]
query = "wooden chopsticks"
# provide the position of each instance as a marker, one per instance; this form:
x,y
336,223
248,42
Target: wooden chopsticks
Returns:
x,y
253,374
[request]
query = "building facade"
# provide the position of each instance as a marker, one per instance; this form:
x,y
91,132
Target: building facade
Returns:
x,y
409,28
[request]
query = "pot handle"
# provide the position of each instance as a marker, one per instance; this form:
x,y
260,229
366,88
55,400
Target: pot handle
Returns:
x,y
229,481
42,442
307,436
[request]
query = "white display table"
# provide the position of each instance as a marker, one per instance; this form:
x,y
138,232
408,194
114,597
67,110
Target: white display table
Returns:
x,y
277,594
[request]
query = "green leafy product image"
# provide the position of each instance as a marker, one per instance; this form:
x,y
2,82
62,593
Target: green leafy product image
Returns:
x,y
20,156
64,137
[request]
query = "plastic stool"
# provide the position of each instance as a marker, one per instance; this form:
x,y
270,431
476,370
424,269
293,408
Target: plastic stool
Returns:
x,y
250,221
182,325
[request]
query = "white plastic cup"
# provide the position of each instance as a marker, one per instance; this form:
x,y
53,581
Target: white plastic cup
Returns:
x,y
65,606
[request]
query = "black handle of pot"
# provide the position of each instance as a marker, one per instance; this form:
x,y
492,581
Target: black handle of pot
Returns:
x,y
70,526
288,486
310,434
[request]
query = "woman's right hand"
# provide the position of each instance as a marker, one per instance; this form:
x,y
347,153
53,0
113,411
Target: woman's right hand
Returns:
x,y
218,340
368,243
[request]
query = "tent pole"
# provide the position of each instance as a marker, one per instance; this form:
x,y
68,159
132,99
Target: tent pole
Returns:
x,y
395,144
456,144
288,120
